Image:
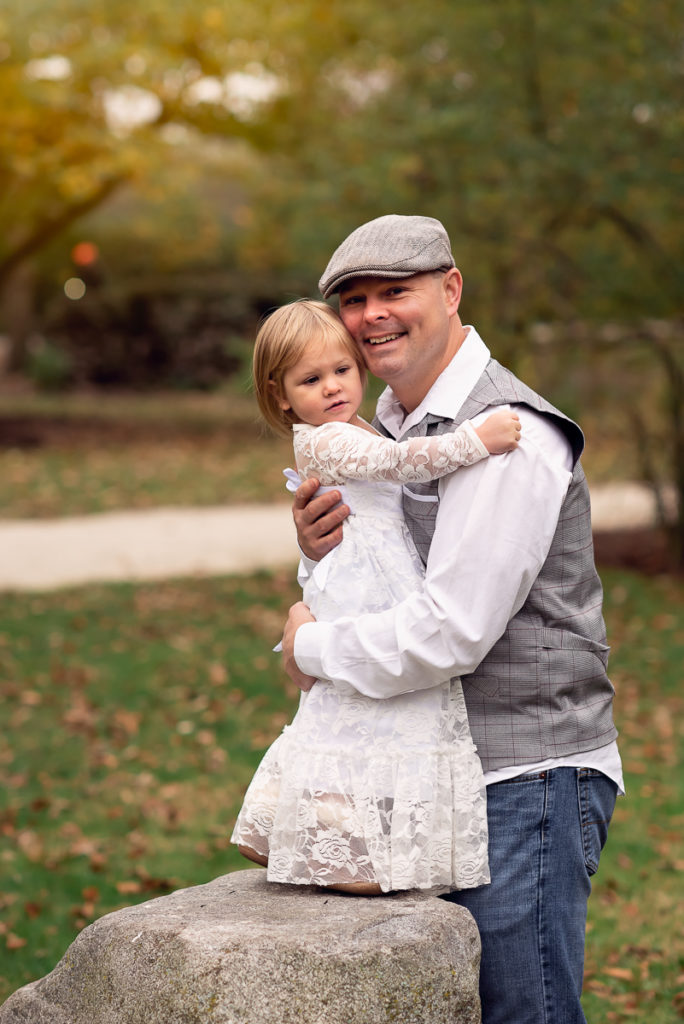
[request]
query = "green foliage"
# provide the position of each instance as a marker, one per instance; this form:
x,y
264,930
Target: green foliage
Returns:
x,y
629,379
549,145
99,98
137,714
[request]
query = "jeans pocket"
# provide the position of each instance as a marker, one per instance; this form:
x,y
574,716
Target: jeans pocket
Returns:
x,y
597,794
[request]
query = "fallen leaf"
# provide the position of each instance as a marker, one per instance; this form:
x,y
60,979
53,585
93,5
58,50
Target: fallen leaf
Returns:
x,y
218,674
30,845
128,888
619,972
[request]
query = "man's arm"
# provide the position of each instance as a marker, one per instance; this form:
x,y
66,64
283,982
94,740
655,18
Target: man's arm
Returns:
x,y
494,528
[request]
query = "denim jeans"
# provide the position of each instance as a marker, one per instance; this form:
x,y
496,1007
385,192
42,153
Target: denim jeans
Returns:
x,y
546,833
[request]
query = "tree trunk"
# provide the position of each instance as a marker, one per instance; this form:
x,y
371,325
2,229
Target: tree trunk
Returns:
x,y
17,313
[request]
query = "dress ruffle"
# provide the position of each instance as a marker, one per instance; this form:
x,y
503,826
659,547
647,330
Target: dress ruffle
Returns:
x,y
329,818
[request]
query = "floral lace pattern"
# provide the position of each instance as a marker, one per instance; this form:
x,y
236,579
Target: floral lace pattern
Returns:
x,y
337,452
357,789
337,800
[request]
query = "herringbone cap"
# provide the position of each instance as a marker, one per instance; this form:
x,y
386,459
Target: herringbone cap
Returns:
x,y
391,246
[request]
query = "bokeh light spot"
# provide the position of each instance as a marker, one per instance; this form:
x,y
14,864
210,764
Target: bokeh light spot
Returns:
x,y
74,288
84,254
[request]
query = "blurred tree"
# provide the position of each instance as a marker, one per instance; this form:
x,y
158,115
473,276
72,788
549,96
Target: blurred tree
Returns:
x,y
630,376
98,96
548,141
551,145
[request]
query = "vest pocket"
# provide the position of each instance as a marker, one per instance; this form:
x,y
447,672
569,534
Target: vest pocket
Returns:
x,y
564,640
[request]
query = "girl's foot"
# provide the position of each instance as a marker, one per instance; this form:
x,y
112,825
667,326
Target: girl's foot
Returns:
x,y
251,854
358,888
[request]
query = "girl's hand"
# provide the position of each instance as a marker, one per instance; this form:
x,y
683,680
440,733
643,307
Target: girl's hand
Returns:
x,y
299,614
500,432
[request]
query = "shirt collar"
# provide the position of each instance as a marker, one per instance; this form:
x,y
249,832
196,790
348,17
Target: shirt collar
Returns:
x,y
447,394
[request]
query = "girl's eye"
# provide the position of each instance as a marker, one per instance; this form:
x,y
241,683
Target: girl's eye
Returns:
x,y
310,380
342,369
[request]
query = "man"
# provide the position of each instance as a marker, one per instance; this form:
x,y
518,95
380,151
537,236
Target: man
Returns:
x,y
512,604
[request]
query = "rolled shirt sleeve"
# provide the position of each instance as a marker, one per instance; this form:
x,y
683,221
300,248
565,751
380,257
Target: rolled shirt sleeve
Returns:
x,y
495,524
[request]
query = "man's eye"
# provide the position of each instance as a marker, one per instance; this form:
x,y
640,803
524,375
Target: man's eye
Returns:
x,y
351,300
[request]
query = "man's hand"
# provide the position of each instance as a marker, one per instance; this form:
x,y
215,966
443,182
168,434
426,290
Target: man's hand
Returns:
x,y
318,522
299,614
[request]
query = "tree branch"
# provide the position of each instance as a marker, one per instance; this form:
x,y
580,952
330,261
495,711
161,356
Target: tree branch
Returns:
x,y
51,227
531,73
640,236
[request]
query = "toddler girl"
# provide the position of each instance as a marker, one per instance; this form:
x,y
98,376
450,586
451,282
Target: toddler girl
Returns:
x,y
358,794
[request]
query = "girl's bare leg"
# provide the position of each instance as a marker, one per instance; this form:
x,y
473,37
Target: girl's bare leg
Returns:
x,y
250,854
330,811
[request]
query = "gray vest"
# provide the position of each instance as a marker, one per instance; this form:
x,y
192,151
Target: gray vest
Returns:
x,y
542,691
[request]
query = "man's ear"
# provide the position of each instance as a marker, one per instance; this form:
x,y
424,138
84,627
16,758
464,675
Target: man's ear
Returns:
x,y
452,283
280,398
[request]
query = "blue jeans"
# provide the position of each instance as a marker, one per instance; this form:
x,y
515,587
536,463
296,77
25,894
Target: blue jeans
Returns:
x,y
546,833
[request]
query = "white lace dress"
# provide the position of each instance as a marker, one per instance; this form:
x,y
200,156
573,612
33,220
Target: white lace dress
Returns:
x,y
358,789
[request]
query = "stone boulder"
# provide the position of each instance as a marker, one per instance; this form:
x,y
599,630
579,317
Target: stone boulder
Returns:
x,y
239,950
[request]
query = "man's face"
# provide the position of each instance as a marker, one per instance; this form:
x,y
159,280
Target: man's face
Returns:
x,y
407,328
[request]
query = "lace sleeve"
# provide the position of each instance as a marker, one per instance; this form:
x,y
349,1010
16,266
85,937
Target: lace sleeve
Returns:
x,y
336,452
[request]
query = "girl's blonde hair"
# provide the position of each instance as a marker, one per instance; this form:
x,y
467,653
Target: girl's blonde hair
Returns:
x,y
281,342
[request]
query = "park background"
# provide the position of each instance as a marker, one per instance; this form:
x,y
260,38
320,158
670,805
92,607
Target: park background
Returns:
x,y
170,171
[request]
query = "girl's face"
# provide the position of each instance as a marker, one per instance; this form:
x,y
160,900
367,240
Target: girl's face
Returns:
x,y
324,386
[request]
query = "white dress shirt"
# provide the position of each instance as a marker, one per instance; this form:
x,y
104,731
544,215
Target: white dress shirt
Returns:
x,y
507,505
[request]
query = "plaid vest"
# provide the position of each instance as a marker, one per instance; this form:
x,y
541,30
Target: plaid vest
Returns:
x,y
542,690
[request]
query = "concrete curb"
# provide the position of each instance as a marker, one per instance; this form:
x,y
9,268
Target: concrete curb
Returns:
x,y
145,545
163,543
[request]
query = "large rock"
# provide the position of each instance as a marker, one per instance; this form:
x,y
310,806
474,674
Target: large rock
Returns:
x,y
240,950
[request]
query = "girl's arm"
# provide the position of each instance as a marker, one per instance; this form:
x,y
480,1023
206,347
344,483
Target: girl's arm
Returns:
x,y
337,452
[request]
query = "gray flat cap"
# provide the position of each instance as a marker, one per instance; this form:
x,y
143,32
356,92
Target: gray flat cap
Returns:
x,y
391,246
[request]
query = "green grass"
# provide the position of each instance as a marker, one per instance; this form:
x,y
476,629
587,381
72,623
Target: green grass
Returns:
x,y
135,716
635,962
145,474
80,454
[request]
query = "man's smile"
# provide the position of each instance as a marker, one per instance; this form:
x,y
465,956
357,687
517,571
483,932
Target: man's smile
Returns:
x,y
381,339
